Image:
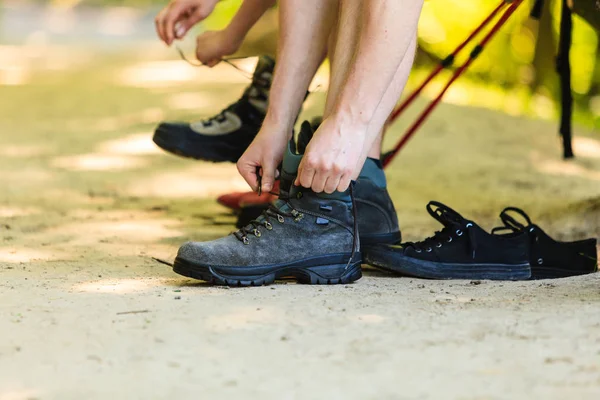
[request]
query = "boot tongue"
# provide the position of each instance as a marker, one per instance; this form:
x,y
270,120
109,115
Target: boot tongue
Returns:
x,y
306,133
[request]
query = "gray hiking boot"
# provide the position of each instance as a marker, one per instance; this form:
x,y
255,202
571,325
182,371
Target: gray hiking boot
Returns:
x,y
311,237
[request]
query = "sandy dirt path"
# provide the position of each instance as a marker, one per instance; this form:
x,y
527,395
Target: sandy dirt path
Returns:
x,y
86,201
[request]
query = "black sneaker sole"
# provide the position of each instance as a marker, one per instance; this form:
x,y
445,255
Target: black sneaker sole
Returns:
x,y
436,270
327,274
183,147
555,272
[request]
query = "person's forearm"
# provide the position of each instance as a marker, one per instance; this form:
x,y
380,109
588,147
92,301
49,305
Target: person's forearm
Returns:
x,y
382,45
248,14
301,49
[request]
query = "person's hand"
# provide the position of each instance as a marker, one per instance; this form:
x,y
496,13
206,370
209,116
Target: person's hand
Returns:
x,y
212,46
332,157
176,19
265,151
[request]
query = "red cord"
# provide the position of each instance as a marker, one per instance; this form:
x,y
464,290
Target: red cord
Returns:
x,y
423,116
441,66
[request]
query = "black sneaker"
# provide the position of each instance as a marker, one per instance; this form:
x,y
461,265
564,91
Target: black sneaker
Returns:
x,y
305,235
227,135
550,258
376,215
461,250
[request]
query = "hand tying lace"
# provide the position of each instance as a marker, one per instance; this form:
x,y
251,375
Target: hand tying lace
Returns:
x,y
454,226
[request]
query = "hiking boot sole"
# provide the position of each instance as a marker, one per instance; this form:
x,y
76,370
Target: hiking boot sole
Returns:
x,y
320,272
436,270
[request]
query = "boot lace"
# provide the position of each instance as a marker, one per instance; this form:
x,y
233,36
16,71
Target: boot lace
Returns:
x,y
266,219
455,226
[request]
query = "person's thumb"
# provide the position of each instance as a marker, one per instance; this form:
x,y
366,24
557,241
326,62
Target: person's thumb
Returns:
x,y
247,169
268,176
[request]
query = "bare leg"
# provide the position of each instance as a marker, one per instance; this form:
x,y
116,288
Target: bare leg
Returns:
x,y
347,42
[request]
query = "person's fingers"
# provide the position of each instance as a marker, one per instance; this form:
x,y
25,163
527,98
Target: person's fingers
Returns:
x,y
158,24
268,176
344,183
332,184
318,182
247,170
306,172
212,63
175,13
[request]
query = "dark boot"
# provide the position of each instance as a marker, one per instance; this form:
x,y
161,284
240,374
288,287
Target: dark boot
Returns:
x,y
550,258
377,219
225,136
309,236
461,250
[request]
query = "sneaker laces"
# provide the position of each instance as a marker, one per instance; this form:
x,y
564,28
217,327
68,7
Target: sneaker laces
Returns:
x,y
455,225
511,224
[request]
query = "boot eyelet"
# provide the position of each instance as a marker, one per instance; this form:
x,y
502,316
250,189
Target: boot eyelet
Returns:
x,y
418,250
540,261
449,239
459,232
268,226
299,195
429,249
245,240
469,225
438,245
257,233
280,219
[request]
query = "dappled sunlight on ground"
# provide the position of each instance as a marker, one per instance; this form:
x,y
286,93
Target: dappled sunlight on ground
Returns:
x,y
18,255
119,122
99,162
586,147
135,144
242,318
564,167
156,74
19,394
119,286
17,151
9,212
369,318
119,231
200,181
189,101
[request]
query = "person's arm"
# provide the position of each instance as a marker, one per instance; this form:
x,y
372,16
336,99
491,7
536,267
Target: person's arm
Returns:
x,y
339,147
304,28
382,45
211,46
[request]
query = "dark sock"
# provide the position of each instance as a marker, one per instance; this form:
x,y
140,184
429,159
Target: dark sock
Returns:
x,y
373,170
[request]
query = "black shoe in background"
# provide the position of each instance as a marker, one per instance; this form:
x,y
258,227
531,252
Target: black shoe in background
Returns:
x,y
550,258
461,250
228,134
